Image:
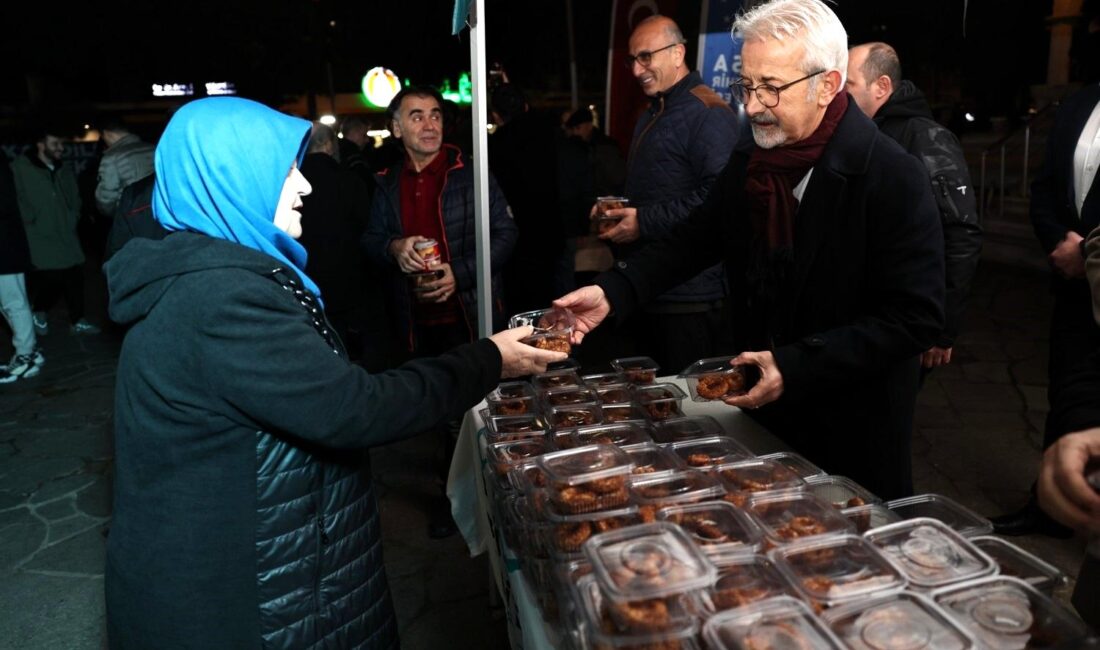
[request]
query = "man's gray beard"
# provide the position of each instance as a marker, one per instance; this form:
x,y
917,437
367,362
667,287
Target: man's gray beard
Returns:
x,y
765,140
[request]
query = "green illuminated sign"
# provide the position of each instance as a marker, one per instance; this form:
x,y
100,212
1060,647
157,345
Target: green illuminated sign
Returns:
x,y
464,95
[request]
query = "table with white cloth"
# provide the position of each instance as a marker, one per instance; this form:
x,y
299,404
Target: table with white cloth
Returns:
x,y
471,504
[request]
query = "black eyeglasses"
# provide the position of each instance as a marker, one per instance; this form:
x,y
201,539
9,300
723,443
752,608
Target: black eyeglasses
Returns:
x,y
645,57
766,94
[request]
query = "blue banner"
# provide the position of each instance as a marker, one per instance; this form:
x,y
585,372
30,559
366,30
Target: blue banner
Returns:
x,y
719,59
462,10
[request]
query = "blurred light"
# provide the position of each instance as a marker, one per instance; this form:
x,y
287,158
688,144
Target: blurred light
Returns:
x,y
173,90
380,85
969,117
327,120
87,126
332,23
378,133
215,88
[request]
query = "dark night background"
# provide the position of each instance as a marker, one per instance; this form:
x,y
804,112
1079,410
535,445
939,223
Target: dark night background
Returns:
x,y
103,56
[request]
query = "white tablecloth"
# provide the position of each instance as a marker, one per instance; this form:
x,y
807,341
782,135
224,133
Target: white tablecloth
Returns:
x,y
471,502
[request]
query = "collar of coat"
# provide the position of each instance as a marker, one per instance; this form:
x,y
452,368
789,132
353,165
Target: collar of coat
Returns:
x,y
455,160
679,89
32,155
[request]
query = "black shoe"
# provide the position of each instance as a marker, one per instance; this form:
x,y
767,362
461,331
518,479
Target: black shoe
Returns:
x,y
1030,520
440,523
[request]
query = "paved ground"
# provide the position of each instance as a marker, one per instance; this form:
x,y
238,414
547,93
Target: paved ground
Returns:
x,y
978,435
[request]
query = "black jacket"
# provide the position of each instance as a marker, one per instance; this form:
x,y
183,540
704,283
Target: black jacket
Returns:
x,y
865,299
907,118
134,217
15,256
680,144
244,512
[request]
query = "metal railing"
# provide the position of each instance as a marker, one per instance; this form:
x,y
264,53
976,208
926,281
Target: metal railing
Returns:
x,y
1004,145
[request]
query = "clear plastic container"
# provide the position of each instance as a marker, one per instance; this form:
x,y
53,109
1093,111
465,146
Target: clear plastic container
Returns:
x,y
569,396
614,393
653,459
776,624
636,370
741,580
420,282
600,379
622,413
528,477
569,531
870,516
636,624
756,475
648,561
901,620
624,434
553,328
556,379
837,569
1015,562
714,378
841,491
660,401
503,457
587,479
709,452
692,427
511,390
716,527
1003,612
674,488
796,463
504,428
930,553
787,517
573,416
513,406
949,511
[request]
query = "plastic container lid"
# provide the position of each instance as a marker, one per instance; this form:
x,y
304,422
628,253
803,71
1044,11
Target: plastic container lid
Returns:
x,y
757,475
568,532
573,416
708,452
870,516
787,517
660,401
930,553
556,378
837,569
585,464
1003,612
653,459
614,393
715,377
637,370
501,428
796,463
949,511
503,456
569,395
692,427
841,491
511,390
552,319
779,623
1015,562
528,477
741,580
901,621
687,486
648,561
623,434
603,379
623,412
639,624
513,406
716,527
418,281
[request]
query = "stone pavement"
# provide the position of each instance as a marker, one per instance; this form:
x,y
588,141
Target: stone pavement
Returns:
x,y
979,424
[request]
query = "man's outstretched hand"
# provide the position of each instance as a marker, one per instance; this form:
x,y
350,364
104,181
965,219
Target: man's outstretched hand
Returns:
x,y
590,306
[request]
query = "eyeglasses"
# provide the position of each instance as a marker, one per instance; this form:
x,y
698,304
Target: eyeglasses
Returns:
x,y
644,57
766,94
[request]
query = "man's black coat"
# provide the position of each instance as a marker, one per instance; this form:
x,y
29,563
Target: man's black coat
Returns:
x,y
865,299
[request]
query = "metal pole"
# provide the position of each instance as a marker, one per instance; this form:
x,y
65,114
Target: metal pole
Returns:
x,y
480,118
572,55
1027,155
985,193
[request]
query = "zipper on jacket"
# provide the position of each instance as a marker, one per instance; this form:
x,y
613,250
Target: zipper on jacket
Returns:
x,y
321,529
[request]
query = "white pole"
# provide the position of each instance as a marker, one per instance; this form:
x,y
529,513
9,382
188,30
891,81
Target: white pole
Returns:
x,y
480,119
572,56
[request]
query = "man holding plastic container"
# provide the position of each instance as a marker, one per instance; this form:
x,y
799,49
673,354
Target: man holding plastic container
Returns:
x,y
420,233
680,144
833,251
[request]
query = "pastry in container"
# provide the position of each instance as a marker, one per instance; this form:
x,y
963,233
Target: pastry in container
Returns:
x,y
900,620
527,476
841,491
692,427
1015,562
870,516
556,379
503,457
654,459
623,412
716,527
1002,612
787,517
568,531
773,624
832,570
569,396
949,511
660,401
587,479
571,416
664,623
553,328
710,452
623,434
600,379
648,561
618,393
747,477
421,282
504,428
797,463
714,379
930,553
512,398
655,491
742,580
603,222
636,370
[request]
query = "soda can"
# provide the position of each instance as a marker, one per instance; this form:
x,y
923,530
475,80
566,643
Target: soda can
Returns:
x,y
428,250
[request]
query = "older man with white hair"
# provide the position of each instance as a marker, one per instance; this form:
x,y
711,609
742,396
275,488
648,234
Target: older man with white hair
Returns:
x,y
833,247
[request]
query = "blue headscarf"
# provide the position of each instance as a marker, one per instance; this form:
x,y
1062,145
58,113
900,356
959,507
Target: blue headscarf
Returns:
x,y
220,168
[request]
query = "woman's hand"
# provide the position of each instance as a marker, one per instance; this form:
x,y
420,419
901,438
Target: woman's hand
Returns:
x,y
519,359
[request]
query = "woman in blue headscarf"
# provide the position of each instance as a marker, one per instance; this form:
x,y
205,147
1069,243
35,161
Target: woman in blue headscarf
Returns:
x,y
244,514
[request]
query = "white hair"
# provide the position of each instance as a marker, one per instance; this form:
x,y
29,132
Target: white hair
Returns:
x,y
809,21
